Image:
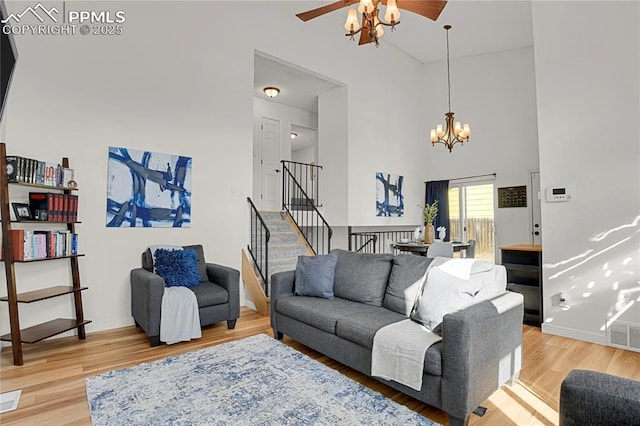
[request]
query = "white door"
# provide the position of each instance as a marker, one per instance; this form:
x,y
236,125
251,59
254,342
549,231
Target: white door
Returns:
x,y
270,174
536,215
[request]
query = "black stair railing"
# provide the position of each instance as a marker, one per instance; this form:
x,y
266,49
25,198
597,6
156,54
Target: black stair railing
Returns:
x,y
304,211
259,245
308,177
378,240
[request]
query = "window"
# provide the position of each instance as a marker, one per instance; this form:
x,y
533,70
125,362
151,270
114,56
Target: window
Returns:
x,y
471,216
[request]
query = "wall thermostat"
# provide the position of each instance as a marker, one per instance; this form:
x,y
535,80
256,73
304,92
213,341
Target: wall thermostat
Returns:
x,y
561,193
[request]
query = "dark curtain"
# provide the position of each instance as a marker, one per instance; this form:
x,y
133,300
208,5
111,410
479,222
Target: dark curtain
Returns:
x,y
439,190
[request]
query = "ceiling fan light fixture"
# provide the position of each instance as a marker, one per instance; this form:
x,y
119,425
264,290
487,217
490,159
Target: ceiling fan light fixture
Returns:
x,y
393,13
293,135
366,6
271,92
352,25
370,19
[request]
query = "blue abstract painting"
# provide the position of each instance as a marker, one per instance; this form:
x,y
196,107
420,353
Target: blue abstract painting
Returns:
x,y
389,198
148,189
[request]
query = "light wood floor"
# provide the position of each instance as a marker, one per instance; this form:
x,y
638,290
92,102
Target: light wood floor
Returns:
x,y
53,390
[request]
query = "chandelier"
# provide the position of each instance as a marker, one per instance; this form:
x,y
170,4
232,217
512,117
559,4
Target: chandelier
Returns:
x,y
370,21
452,133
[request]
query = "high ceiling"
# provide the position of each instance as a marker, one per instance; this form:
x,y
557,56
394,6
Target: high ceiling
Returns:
x,y
478,27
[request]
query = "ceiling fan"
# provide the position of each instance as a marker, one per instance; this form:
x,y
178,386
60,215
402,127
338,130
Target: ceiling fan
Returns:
x,y
371,28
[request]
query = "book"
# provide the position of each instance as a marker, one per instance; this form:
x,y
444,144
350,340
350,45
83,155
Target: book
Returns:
x,y
74,244
12,168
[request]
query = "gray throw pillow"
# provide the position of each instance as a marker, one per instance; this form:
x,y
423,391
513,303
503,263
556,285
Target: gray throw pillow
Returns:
x,y
362,277
405,281
315,275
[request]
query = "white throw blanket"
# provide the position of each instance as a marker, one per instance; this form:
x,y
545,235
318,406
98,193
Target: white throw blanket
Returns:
x,y
179,317
399,350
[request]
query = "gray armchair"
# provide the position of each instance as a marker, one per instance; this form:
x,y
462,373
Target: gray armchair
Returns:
x,y
218,294
594,398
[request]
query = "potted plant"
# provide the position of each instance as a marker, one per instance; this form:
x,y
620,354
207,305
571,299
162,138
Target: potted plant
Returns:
x,y
430,212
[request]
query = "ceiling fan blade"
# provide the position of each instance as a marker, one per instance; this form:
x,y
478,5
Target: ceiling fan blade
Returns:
x,y
314,13
364,36
428,8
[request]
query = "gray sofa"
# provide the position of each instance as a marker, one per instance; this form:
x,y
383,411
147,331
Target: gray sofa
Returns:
x,y
218,294
480,350
594,398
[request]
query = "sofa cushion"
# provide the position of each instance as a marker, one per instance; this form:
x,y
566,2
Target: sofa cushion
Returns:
x,y
202,264
177,267
315,275
405,279
319,313
433,360
209,294
362,277
360,327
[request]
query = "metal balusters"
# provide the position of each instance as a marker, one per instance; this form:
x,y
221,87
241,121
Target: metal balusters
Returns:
x,y
259,245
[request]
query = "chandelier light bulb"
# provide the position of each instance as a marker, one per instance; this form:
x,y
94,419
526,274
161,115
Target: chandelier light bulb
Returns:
x,y
439,131
378,26
433,135
352,25
467,130
392,14
365,6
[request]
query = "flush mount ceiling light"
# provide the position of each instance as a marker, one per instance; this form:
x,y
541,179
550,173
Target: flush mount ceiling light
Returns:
x,y
271,92
370,27
294,135
453,133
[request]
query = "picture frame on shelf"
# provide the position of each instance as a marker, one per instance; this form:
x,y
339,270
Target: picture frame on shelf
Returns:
x,y
22,211
68,178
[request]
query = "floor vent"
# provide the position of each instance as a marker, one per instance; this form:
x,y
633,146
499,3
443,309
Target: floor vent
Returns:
x,y
624,335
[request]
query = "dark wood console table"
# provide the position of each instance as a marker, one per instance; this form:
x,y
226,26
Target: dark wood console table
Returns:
x,y
524,275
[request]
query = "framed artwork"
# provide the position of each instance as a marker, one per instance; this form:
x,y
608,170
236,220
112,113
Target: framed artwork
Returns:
x,y
148,189
389,198
22,211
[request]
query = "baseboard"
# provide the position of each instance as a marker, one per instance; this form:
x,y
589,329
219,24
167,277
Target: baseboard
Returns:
x,y
571,333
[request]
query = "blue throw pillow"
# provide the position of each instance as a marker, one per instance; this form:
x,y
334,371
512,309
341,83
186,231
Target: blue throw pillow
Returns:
x,y
177,267
315,274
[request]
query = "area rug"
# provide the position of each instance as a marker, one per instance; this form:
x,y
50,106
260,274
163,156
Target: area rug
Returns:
x,y
253,381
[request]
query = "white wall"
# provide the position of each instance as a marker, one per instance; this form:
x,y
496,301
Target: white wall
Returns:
x,y
176,82
495,94
587,70
287,116
305,155
333,123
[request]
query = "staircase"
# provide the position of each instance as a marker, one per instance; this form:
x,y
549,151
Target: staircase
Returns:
x,y
285,245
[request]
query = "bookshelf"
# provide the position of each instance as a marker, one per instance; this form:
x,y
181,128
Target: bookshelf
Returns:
x,y
38,332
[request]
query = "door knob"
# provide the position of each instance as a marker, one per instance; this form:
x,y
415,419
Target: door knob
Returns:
x,y
537,233
276,170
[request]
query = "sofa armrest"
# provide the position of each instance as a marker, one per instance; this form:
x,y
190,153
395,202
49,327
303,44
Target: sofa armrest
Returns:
x,y
591,397
147,289
481,350
229,279
282,284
